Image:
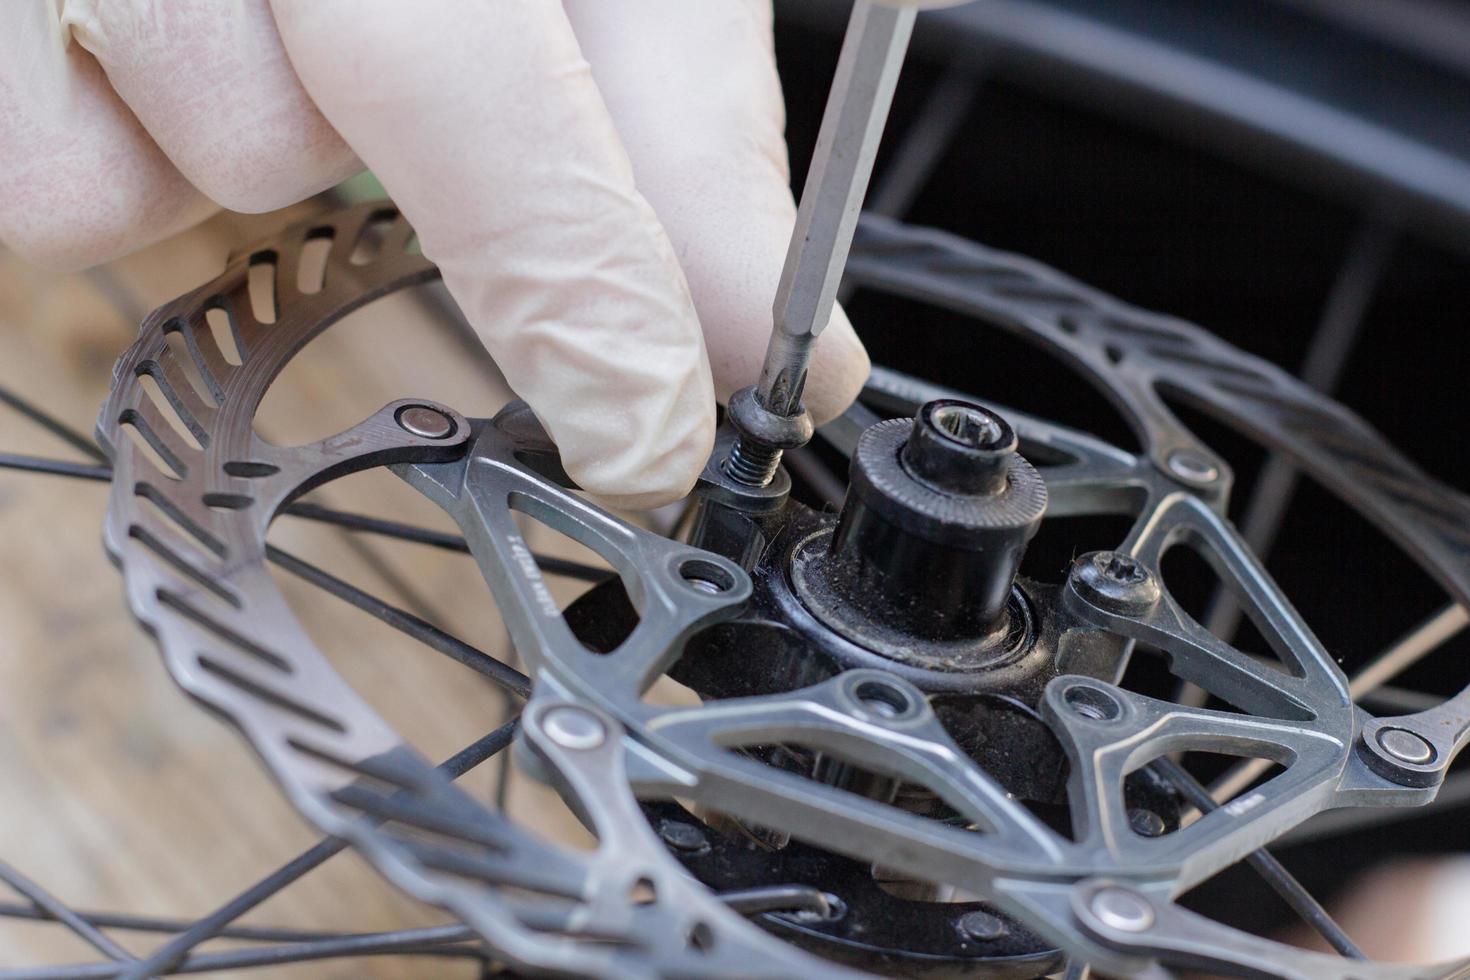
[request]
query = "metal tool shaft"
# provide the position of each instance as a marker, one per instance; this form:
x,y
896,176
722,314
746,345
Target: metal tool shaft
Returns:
x,y
857,107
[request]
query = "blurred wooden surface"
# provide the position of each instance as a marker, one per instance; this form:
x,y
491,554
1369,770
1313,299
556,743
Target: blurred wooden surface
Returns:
x,y
119,793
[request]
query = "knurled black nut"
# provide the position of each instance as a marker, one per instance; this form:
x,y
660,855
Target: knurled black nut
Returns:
x,y
759,424
941,547
959,447
966,521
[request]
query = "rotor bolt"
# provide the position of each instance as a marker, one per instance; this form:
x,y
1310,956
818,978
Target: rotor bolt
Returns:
x,y
683,836
1405,746
1122,909
752,463
761,436
1146,823
1192,467
1115,582
574,728
981,926
425,422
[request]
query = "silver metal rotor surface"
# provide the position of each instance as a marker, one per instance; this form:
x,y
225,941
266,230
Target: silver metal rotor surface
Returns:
x,y
189,535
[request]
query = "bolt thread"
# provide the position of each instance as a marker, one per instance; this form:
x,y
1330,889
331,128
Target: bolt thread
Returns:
x,y
752,463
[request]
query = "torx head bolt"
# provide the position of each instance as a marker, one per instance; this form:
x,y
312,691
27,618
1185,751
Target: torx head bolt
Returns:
x,y
763,435
981,926
1146,823
572,727
425,422
1192,467
1406,746
1115,581
1122,909
682,836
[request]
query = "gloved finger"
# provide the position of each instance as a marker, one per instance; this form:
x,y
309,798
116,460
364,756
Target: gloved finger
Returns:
x,y
694,93
211,83
80,180
485,124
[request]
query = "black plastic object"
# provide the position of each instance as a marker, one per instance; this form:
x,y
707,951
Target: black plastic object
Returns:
x,y
937,517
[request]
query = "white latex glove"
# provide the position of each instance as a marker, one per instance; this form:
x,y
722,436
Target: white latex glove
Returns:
x,y
588,218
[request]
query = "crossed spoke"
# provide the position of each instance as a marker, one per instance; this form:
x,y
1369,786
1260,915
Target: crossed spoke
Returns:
x,y
281,946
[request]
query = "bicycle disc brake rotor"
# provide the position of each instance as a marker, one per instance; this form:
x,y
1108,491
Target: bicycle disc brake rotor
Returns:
x,y
187,523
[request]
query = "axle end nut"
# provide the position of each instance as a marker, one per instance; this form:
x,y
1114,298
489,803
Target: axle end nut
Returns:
x,y
938,513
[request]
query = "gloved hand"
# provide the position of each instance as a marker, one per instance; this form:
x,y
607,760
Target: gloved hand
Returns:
x,y
588,218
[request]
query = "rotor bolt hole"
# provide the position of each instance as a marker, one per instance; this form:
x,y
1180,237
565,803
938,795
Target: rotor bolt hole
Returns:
x,y
643,892
701,937
707,577
1092,703
883,700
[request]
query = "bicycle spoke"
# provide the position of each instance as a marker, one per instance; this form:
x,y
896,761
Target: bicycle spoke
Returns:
x,y
168,956
405,622
398,584
416,942
58,910
55,467
1337,331
1454,794
1411,648
436,539
549,564
149,923
53,425
1391,700
1282,882
925,142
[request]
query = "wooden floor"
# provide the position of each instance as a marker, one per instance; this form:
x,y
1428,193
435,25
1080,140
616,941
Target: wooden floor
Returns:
x,y
116,792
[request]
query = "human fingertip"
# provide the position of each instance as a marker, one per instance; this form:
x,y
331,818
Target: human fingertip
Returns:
x,y
840,368
649,476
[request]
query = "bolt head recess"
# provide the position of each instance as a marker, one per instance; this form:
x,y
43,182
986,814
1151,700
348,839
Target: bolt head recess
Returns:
x,y
1115,582
683,836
